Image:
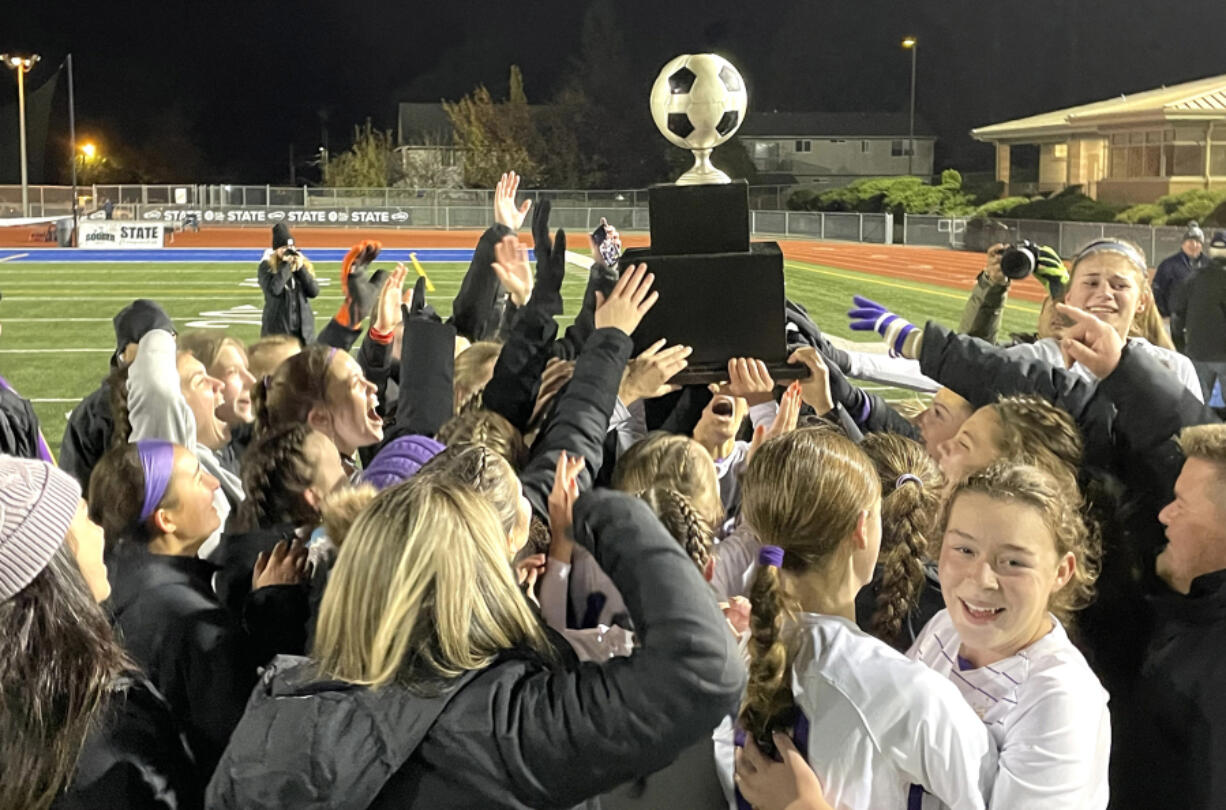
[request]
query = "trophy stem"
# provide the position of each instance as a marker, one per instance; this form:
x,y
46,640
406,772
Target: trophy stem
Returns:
x,y
703,171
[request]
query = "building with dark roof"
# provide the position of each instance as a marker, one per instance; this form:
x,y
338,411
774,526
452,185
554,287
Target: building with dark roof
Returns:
x,y
831,148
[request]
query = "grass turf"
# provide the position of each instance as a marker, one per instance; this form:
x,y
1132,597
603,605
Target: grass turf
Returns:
x,y
57,333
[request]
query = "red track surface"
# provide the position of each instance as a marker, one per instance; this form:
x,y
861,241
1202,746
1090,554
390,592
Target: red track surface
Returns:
x,y
949,268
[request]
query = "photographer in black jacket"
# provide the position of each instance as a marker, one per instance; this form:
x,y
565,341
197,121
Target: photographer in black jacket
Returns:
x,y
288,282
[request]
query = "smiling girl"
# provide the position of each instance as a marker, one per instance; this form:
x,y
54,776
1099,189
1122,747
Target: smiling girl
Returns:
x,y
1016,562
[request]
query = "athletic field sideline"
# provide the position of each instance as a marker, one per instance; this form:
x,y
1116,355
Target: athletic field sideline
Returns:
x,y
57,336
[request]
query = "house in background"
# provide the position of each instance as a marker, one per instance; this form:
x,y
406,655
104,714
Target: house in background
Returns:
x,y
1128,149
830,149
425,137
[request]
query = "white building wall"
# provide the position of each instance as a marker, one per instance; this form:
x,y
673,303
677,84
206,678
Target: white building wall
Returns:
x,y
839,156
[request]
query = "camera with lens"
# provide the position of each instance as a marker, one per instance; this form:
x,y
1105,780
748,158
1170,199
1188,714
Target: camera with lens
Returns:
x,y
1020,260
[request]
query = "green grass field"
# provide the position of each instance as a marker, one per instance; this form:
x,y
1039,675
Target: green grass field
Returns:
x,y
57,334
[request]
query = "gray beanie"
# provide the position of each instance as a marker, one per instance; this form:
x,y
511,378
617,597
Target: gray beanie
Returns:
x,y
37,505
1194,233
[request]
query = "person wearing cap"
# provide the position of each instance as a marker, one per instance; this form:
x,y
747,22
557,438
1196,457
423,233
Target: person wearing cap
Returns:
x,y
288,282
1178,267
91,425
1198,317
80,724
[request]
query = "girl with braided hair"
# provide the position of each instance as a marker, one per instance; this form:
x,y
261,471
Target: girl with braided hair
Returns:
x,y
325,389
286,474
905,592
1016,561
878,731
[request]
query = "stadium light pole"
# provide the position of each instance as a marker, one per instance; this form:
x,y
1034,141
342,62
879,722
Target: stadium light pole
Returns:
x,y
911,44
22,65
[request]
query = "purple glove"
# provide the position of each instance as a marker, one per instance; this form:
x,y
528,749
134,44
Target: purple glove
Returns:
x,y
869,316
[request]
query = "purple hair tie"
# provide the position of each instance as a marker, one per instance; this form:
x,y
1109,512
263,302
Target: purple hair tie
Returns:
x,y
908,478
157,459
770,555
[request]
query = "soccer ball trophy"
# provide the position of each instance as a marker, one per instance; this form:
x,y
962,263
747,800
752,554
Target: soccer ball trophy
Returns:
x,y
698,102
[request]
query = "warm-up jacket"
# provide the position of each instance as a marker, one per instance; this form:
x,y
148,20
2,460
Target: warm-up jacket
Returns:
x,y
135,758
192,649
1175,755
522,733
20,434
87,436
287,305
1171,272
1198,313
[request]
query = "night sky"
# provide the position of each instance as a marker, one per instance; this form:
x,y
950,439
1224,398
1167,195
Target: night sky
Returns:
x,y
228,85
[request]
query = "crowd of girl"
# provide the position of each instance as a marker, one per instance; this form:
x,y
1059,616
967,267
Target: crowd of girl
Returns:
x,y
477,564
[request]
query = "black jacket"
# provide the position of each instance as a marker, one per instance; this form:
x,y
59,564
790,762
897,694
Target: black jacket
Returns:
x,y
136,758
1171,271
476,311
523,733
191,647
19,431
87,436
287,308
1198,313
1175,751
580,419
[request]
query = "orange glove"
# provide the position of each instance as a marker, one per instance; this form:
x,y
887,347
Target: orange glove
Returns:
x,y
360,294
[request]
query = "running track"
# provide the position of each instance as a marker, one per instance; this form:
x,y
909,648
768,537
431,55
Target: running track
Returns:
x,y
948,268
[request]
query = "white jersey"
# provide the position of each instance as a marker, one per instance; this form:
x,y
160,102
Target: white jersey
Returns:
x,y
1046,711
884,733
1048,350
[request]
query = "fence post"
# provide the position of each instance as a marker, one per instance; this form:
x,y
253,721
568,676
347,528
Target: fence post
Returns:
x,y
862,227
821,228
889,227
267,196
787,223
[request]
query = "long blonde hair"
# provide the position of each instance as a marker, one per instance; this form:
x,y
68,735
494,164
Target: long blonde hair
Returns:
x,y
422,590
803,492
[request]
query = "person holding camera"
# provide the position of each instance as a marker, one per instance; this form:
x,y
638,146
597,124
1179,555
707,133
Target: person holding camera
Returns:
x,y
981,317
288,282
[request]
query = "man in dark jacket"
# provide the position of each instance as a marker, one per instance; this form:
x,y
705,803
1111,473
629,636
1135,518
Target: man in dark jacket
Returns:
x,y
288,282
1198,317
20,434
1178,267
90,426
1178,732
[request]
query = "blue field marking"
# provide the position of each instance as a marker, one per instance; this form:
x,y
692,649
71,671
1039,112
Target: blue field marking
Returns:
x,y
245,255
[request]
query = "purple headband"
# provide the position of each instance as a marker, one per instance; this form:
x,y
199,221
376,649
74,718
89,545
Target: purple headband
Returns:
x,y
770,555
157,458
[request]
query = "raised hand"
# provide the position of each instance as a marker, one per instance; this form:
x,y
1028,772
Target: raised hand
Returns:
x,y
387,308
505,212
285,565
785,419
814,389
899,334
647,375
749,379
629,300
562,506
1090,341
512,268
1051,272
550,262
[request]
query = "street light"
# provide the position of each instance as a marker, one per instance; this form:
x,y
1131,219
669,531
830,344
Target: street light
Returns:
x,y
911,44
22,65
89,151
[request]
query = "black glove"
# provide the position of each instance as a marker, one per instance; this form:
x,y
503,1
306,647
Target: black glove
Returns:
x,y
550,264
418,309
804,329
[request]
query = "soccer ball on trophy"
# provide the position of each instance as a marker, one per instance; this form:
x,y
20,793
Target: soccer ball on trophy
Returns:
x,y
698,101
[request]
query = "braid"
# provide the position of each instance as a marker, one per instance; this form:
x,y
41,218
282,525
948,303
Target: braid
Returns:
x,y
908,511
768,705
683,522
118,384
276,473
259,407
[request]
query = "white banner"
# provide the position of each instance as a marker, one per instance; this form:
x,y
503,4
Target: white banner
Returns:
x,y
112,235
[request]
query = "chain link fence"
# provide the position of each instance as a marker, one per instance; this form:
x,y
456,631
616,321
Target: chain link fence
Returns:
x,y
1158,241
